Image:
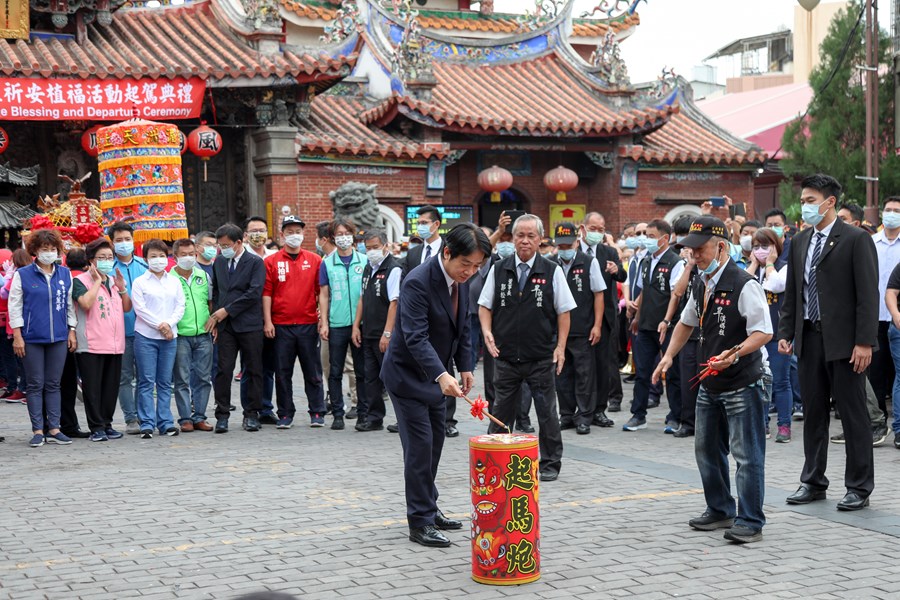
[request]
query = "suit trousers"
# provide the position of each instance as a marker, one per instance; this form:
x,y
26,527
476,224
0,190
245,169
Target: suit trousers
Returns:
x,y
539,375
881,372
821,380
250,345
371,404
421,425
575,385
603,361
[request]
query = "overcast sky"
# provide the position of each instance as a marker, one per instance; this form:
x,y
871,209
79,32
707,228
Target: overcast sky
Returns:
x,y
681,34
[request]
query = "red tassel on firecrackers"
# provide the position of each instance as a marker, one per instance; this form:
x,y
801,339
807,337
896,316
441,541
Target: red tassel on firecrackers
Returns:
x,y
478,408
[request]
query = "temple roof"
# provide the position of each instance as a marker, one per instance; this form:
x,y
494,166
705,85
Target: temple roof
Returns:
x,y
180,41
470,21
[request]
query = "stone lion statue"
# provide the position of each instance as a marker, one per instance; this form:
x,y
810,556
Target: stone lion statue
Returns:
x,y
356,201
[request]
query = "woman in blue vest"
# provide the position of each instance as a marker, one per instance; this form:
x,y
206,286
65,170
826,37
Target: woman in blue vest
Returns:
x,y
42,317
770,269
340,278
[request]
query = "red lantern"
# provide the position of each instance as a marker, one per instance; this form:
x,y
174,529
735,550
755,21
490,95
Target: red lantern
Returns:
x,y
4,140
89,141
184,143
205,142
495,180
561,180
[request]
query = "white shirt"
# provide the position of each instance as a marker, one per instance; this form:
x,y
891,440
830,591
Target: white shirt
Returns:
x,y
675,273
776,281
597,282
809,254
157,300
393,280
888,258
563,301
634,265
233,261
435,248
17,301
752,304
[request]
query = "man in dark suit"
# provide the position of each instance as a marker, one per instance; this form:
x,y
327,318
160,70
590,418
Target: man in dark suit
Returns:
x,y
432,329
238,280
428,227
830,318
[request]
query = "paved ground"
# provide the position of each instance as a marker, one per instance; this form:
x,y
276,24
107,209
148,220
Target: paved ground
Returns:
x,y
320,514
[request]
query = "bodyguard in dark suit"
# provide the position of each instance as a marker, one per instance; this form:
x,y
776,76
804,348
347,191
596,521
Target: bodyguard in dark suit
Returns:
x,y
830,319
432,329
238,280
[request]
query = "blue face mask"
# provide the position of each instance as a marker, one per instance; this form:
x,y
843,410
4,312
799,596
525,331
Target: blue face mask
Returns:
x,y
228,253
361,248
423,230
891,220
105,266
506,249
123,248
713,265
651,245
811,214
779,231
567,255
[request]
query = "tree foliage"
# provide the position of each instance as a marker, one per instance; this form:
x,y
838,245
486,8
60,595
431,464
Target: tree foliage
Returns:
x,y
832,138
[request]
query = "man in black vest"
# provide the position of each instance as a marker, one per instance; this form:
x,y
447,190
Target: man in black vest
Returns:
x,y
575,385
374,324
659,272
729,306
524,314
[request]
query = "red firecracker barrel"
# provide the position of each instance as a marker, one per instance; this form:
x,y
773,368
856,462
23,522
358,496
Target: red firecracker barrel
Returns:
x,y
505,515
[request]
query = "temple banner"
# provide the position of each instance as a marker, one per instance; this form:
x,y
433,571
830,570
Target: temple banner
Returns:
x,y
100,99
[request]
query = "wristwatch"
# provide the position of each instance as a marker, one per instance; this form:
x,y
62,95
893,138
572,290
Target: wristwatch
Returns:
x,y
667,322
387,334
737,357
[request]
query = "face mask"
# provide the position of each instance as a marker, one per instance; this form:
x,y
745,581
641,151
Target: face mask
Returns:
x,y
506,249
209,252
567,255
679,238
48,258
424,231
256,239
746,242
228,253
361,248
123,248
186,263
713,265
295,239
891,220
375,256
651,245
779,231
593,237
414,245
343,241
761,254
106,266
318,246
158,264
622,244
811,215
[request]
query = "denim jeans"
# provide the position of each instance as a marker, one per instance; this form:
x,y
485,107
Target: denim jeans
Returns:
x,y
193,362
155,364
126,382
894,340
735,421
781,384
43,370
338,344
795,383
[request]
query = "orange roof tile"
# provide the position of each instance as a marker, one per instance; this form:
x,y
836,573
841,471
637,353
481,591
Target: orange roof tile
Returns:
x,y
334,126
495,99
184,41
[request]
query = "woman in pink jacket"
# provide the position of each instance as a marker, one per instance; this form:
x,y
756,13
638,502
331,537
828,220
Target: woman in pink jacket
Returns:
x,y
101,300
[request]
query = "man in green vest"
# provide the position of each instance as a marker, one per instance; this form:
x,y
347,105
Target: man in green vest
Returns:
x,y
193,358
340,279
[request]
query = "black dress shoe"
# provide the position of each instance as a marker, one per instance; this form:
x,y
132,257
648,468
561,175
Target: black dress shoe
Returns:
x,y
653,403
251,424
525,428
365,425
442,522
683,432
221,426
614,406
549,476
77,434
583,429
853,501
393,428
566,424
804,495
451,431
601,420
338,423
268,419
428,536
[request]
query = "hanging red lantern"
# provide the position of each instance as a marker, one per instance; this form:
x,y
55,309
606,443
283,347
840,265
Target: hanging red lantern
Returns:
x,y
561,180
184,144
89,141
205,142
4,140
495,180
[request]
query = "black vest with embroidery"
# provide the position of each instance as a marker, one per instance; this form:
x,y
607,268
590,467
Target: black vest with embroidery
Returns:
x,y
688,293
723,327
375,297
656,290
581,319
524,323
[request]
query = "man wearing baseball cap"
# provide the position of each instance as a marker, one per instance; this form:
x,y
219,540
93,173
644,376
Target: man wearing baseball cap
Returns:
x,y
729,306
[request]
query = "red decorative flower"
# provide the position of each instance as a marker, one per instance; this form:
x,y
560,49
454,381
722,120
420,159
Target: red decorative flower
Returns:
x,y
87,233
41,222
478,408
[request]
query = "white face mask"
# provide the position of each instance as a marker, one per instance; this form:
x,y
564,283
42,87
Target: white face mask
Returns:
x,y
375,256
746,242
343,241
293,240
47,258
158,264
186,263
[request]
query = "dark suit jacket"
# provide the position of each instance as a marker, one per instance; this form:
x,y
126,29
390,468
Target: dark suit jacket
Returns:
x,y
240,293
847,281
611,295
426,338
413,258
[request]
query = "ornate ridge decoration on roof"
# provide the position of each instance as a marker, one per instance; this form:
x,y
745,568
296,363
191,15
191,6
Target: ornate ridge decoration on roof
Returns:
x,y
608,62
346,22
545,12
612,8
